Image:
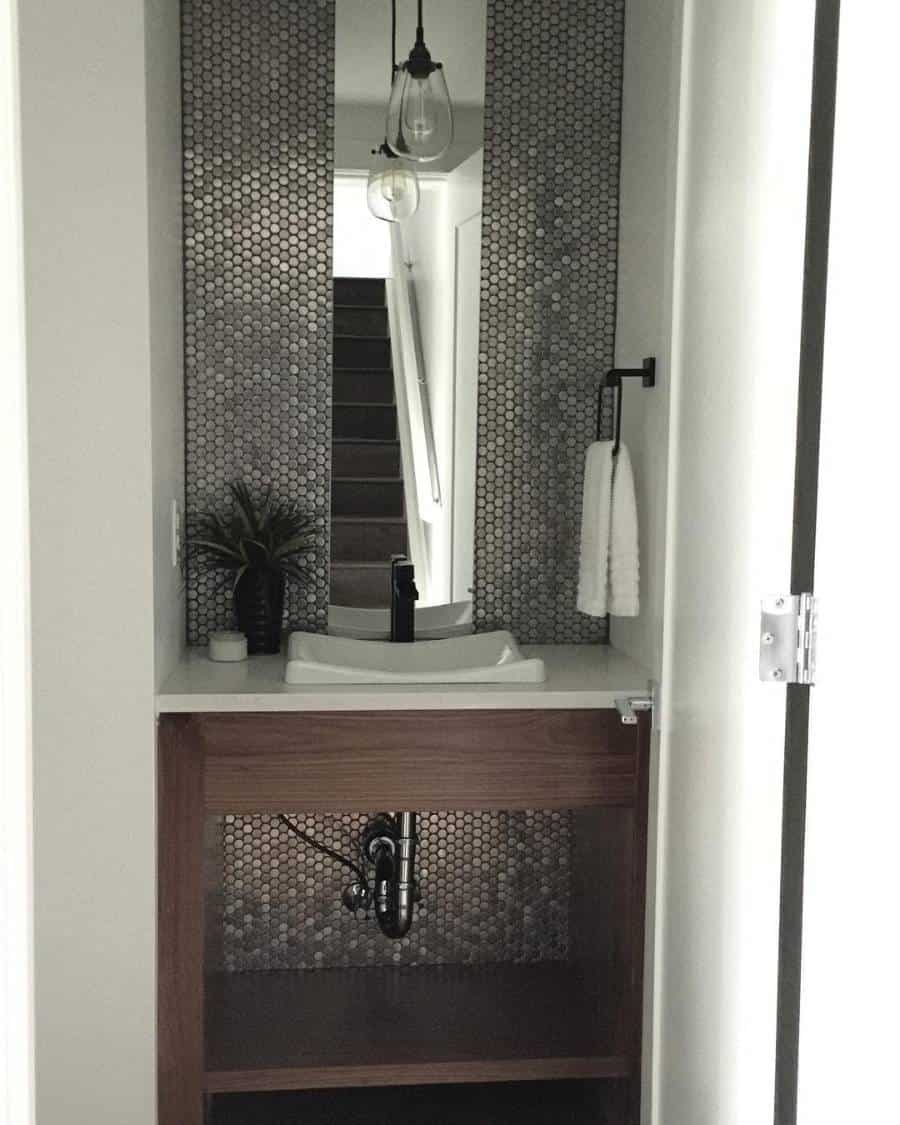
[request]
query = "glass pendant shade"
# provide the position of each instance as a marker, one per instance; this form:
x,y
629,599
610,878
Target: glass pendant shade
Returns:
x,y
419,117
392,192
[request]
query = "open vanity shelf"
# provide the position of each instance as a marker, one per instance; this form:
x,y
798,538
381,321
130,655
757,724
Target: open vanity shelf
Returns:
x,y
405,1026
576,1017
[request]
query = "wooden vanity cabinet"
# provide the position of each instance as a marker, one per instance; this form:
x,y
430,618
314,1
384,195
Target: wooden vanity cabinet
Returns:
x,y
263,1031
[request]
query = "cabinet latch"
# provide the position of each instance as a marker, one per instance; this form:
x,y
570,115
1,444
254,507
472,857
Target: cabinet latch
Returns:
x,y
629,705
787,639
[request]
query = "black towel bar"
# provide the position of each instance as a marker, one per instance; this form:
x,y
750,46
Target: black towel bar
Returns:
x,y
647,375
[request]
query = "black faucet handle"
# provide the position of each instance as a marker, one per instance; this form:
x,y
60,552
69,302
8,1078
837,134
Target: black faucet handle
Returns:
x,y
404,596
404,573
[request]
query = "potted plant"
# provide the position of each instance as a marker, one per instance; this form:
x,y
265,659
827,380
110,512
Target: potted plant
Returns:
x,y
261,545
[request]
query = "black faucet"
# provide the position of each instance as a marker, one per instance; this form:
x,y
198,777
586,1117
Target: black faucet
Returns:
x,y
404,596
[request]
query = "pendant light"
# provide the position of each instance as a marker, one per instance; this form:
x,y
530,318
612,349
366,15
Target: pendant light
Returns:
x,y
392,192
420,117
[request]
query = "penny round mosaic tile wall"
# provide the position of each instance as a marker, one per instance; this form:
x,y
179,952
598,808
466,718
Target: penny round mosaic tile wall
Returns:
x,y
548,303
258,144
495,887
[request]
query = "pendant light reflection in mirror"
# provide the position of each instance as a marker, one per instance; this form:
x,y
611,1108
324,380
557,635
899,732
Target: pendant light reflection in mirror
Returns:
x,y
406,265
392,191
420,116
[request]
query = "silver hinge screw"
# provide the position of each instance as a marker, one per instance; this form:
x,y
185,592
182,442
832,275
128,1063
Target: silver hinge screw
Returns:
x,y
787,639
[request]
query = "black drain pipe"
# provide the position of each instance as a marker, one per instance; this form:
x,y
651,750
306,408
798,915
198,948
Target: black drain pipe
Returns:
x,y
390,844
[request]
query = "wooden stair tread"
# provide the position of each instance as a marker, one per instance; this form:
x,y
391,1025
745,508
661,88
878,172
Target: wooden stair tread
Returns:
x,y
363,564
366,480
367,335
365,441
368,406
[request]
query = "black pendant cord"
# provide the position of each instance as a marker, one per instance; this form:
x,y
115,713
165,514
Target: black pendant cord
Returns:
x,y
316,846
393,40
384,148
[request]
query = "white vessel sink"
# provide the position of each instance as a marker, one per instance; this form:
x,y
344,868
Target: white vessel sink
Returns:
x,y
482,658
453,619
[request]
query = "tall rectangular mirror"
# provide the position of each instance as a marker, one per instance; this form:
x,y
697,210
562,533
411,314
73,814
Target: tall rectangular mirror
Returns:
x,y
406,315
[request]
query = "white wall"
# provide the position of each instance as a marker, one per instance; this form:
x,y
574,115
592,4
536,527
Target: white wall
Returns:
x,y
91,316
743,151
464,202
163,60
650,85
361,243
644,314
16,888
426,240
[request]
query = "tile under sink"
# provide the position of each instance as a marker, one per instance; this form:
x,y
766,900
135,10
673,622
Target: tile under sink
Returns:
x,y
481,658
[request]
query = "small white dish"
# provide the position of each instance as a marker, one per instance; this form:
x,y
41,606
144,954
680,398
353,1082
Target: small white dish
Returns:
x,y
227,647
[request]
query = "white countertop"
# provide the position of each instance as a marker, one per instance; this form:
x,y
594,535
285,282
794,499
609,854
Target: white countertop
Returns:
x,y
578,676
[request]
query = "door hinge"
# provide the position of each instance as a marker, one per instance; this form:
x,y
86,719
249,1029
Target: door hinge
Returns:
x,y
787,639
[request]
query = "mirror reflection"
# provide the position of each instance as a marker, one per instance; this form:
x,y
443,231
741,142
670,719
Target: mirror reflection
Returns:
x,y
407,266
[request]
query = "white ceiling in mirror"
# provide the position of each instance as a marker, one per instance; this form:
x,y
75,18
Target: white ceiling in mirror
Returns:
x,y
363,47
455,34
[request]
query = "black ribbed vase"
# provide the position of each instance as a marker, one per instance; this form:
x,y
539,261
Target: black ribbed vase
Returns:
x,y
259,607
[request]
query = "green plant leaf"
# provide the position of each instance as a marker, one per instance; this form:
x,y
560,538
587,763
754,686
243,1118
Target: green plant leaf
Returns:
x,y
294,546
216,548
243,503
240,574
269,536
292,570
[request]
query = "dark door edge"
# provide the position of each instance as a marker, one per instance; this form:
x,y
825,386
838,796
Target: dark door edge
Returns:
x,y
806,476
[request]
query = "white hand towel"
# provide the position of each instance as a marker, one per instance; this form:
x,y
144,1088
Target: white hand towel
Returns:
x,y
596,516
624,559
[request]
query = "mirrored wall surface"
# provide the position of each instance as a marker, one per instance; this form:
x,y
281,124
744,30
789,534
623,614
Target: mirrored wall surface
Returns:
x,y
407,282
461,443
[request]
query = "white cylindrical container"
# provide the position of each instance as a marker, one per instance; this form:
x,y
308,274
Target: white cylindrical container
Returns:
x,y
227,648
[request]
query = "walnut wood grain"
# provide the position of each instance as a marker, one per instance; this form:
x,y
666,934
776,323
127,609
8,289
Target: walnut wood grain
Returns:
x,y
607,913
414,1074
599,911
350,761
405,1026
180,924
356,761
